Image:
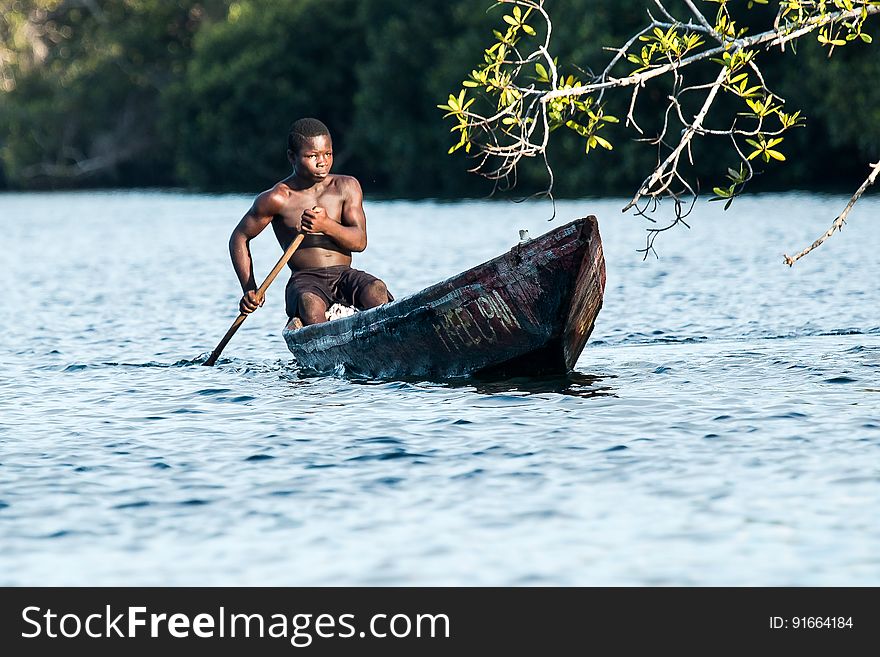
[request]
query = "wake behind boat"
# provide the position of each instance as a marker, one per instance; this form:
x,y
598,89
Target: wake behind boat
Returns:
x,y
526,312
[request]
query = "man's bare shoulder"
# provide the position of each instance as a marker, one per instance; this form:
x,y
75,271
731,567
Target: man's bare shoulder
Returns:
x,y
346,183
273,200
348,186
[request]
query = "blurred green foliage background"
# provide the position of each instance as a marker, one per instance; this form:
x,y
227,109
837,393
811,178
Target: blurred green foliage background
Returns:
x,y
200,95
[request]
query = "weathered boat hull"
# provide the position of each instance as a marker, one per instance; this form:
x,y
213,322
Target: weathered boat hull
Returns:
x,y
527,312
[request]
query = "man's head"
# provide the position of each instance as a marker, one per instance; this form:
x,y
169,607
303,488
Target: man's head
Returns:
x,y
310,149
302,131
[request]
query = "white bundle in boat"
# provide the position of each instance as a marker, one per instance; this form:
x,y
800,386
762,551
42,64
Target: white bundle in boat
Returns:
x,y
337,310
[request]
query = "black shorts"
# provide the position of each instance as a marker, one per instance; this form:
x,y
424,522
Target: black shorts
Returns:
x,y
337,284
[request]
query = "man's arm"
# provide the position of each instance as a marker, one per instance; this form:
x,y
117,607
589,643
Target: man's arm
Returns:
x,y
265,207
351,233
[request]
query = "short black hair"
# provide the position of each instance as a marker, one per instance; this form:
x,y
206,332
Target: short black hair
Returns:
x,y
302,130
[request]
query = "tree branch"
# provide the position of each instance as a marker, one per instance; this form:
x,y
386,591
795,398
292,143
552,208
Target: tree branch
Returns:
x,y
517,111
671,161
841,219
770,38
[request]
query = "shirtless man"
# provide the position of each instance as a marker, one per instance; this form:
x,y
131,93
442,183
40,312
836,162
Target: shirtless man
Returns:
x,y
329,210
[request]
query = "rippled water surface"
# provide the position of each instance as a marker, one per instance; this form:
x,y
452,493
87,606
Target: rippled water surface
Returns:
x,y
722,427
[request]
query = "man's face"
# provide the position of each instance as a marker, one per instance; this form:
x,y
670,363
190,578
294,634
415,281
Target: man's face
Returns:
x,y
314,159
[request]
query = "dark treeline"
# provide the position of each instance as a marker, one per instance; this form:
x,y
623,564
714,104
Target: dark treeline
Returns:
x,y
200,95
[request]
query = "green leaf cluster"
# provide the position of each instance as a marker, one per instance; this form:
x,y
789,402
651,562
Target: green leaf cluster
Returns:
x,y
737,179
457,107
669,44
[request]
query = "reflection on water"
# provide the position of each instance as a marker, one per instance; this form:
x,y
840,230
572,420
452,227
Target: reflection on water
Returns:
x,y
576,384
721,426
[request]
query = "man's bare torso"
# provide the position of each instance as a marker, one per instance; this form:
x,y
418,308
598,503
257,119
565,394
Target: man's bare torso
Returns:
x,y
315,250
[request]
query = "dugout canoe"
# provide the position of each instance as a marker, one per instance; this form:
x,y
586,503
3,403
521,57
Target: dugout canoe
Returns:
x,y
526,312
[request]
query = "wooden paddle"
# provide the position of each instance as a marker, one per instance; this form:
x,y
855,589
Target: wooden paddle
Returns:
x,y
294,245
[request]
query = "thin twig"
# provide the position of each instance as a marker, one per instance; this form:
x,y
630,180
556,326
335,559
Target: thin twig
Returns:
x,y
841,219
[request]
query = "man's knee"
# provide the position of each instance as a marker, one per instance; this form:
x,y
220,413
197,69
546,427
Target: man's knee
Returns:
x,y
312,308
375,293
377,288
